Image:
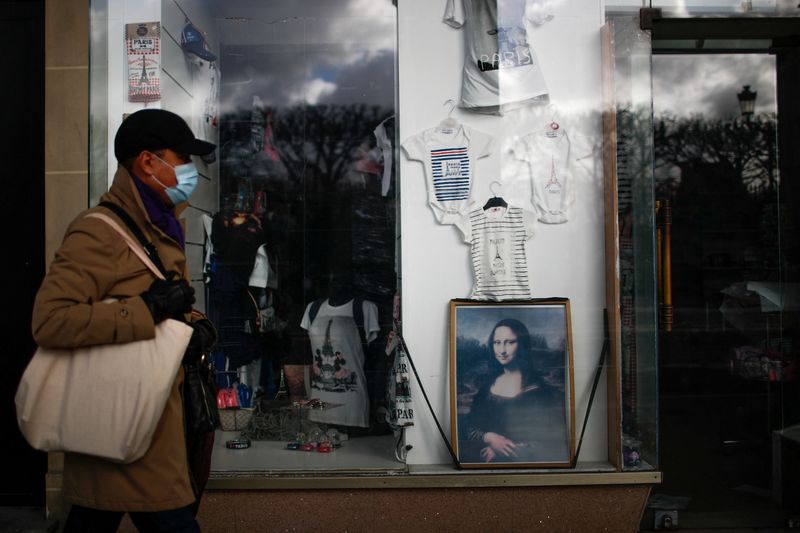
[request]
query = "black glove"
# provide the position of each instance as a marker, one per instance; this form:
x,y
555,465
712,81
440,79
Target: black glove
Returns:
x,y
203,338
168,299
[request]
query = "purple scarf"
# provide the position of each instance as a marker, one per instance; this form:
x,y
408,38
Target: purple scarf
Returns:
x,y
160,214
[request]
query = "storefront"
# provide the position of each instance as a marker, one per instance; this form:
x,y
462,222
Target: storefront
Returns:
x,y
397,196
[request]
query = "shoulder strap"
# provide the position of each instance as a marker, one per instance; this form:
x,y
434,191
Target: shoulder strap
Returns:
x,y
358,316
133,245
312,312
137,232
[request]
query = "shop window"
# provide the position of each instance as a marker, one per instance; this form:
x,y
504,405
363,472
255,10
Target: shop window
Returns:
x,y
292,233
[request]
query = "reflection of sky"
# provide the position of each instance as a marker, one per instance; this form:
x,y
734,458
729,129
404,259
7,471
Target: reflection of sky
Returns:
x,y
546,321
308,51
707,84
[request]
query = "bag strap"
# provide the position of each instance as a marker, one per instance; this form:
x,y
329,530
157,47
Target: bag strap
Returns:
x,y
133,245
148,246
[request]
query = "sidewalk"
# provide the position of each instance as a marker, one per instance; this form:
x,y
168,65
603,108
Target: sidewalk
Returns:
x,y
25,520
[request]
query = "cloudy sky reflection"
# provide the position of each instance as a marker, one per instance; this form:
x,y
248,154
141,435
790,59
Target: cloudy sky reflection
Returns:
x,y
342,54
685,85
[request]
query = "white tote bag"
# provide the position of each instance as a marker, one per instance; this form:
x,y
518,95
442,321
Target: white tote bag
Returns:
x,y
103,400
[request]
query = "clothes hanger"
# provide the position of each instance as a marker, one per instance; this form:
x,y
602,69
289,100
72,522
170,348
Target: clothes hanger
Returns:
x,y
552,111
494,201
390,117
449,121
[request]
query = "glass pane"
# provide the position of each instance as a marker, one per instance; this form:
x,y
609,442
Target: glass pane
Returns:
x,y
292,231
708,8
728,363
301,101
637,252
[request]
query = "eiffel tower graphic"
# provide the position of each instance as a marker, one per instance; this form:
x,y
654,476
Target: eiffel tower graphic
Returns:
x,y
143,79
326,365
553,183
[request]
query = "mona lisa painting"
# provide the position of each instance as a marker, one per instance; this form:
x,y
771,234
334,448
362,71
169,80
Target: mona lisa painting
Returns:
x,y
511,390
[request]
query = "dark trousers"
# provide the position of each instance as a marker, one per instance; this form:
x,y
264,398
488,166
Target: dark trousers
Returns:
x,y
85,520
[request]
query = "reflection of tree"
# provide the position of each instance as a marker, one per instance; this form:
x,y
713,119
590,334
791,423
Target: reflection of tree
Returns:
x,y
319,142
323,216
744,149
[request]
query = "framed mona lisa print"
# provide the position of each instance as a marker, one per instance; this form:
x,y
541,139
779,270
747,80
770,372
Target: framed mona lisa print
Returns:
x,y
511,384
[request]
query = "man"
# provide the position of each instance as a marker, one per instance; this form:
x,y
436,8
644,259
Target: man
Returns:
x,y
154,179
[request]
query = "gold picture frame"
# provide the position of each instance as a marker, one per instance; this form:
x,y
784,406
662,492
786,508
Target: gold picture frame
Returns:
x,y
511,384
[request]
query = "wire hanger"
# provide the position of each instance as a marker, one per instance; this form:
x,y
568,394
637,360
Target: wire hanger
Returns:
x,y
385,120
449,121
494,201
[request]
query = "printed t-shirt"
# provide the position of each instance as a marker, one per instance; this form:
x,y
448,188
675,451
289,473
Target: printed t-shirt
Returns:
x,y
448,156
499,263
337,372
500,66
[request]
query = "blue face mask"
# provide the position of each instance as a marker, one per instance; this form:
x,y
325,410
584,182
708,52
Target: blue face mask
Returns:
x,y
186,175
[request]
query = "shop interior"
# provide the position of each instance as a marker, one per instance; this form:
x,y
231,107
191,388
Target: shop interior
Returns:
x,y
301,241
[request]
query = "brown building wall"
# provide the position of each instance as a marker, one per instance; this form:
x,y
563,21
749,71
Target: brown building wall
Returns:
x,y
616,509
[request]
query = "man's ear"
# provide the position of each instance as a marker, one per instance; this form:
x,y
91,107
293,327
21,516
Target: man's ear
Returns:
x,y
144,164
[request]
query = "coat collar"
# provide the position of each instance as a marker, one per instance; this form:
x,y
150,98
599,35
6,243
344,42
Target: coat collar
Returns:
x,y
123,192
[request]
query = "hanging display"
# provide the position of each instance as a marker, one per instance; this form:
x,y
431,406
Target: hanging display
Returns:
x,y
448,154
497,233
143,43
548,156
501,70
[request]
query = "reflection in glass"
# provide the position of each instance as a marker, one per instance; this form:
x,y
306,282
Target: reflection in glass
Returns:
x,y
307,177
726,364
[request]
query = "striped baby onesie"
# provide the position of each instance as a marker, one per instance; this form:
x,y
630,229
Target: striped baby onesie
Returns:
x,y
448,156
499,263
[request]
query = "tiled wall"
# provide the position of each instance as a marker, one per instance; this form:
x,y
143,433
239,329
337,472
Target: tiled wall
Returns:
x,y
66,146
67,116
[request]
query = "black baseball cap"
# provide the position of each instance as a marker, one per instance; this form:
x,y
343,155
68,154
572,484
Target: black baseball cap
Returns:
x,y
157,129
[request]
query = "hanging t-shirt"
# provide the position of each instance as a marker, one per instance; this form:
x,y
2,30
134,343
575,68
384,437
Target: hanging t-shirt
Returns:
x,y
548,156
384,137
448,155
499,263
337,372
501,70
205,85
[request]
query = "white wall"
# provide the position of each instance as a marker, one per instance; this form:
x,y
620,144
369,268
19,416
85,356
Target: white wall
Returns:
x,y
179,94
564,260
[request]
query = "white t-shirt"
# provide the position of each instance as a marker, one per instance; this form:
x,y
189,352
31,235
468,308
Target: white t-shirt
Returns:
x,y
337,373
499,262
549,160
206,93
448,156
501,70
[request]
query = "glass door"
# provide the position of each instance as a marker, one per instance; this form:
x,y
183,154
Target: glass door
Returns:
x,y
728,330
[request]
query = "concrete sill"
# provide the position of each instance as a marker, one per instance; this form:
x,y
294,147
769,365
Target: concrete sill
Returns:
x,y
432,476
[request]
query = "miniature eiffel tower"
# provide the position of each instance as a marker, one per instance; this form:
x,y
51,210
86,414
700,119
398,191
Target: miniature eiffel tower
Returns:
x,y
283,391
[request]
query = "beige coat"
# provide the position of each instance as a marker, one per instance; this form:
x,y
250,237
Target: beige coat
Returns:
x,y
92,264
